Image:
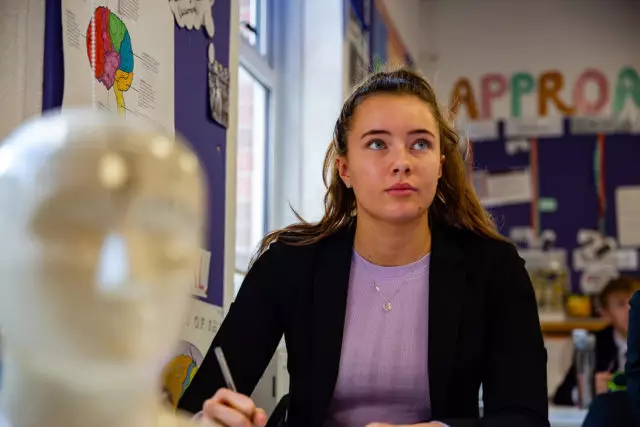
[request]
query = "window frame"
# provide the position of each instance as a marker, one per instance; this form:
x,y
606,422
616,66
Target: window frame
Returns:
x,y
264,45
258,61
280,66
239,268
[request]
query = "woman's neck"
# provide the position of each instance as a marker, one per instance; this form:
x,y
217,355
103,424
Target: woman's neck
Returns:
x,y
387,244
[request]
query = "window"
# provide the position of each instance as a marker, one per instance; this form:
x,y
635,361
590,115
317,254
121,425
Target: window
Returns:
x,y
256,92
251,166
253,24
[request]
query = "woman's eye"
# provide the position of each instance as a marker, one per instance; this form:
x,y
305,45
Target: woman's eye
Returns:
x,y
376,144
421,144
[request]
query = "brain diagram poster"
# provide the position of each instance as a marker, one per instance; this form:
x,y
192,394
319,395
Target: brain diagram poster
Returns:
x,y
118,56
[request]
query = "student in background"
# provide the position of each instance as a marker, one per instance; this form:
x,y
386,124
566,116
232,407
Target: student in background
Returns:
x,y
611,342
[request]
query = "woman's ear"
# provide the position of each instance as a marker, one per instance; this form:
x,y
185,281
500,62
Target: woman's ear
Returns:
x,y
343,170
440,167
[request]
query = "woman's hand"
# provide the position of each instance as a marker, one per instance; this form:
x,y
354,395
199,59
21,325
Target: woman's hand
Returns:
x,y
602,382
230,409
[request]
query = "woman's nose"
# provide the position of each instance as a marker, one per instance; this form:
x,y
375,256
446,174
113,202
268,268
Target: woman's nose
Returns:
x,y
402,163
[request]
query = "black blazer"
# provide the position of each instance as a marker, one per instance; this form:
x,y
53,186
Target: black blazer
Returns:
x,y
632,369
606,361
483,328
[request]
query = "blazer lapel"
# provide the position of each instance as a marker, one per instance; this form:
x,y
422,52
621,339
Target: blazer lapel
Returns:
x,y
331,270
446,287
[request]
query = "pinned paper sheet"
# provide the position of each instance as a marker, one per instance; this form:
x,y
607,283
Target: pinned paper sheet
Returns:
x,y
480,130
621,259
628,215
547,204
500,189
596,250
534,127
218,91
192,15
201,325
592,125
596,276
201,282
523,235
515,146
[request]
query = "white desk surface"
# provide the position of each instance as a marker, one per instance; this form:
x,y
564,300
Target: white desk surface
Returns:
x,y
566,417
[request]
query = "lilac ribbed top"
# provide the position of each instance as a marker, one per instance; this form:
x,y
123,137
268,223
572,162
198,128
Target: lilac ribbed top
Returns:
x,y
384,373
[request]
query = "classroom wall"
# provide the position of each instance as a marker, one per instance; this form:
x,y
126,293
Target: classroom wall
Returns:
x,y
470,38
22,35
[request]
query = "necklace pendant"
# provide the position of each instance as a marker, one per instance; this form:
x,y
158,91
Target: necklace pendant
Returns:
x,y
387,306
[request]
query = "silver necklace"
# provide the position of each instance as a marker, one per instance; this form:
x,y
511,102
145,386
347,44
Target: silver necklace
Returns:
x,y
387,306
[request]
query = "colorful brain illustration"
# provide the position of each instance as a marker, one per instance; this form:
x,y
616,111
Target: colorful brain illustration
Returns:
x,y
113,53
179,372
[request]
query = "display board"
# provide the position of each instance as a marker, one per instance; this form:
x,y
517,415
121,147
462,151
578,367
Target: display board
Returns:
x,y
192,118
201,39
388,51
358,20
581,190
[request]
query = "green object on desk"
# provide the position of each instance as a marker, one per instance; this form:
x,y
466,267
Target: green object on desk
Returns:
x,y
612,383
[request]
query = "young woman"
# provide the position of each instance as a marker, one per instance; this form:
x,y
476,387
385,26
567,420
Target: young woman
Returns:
x,y
400,302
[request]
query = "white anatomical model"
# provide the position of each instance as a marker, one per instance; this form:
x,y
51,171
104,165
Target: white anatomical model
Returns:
x,y
101,223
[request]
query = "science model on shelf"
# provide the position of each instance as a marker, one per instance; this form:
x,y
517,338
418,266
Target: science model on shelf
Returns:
x,y
547,267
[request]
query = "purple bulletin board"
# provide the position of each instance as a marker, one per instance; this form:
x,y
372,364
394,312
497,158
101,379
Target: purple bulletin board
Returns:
x,y
566,174
192,118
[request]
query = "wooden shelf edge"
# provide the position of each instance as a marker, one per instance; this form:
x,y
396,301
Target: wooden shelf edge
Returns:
x,y
565,327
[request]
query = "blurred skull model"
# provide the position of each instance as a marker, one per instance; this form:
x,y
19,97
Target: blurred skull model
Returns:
x,y
101,222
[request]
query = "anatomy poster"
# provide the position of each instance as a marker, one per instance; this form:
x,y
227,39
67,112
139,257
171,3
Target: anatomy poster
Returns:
x,y
118,56
198,331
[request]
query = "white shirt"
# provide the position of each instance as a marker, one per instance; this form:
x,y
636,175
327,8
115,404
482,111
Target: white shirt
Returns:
x,y
621,344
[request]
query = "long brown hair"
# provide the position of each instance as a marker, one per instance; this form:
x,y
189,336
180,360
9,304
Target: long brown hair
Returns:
x,y
455,203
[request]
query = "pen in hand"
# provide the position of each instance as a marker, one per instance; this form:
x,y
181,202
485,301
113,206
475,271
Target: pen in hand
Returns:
x,y
224,367
230,398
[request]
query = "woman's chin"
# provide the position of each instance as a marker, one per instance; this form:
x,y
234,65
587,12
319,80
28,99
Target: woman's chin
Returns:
x,y
404,216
